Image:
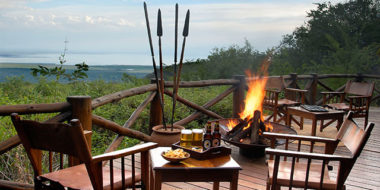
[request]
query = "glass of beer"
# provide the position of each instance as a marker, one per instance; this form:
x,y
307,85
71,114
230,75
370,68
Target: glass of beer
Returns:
x,y
186,138
197,138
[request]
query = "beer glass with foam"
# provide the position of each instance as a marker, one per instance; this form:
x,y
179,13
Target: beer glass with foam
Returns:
x,y
186,138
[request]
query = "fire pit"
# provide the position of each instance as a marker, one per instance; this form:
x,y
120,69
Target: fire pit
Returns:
x,y
247,148
246,132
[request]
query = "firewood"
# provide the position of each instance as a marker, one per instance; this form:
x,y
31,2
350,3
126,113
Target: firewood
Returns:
x,y
237,128
255,126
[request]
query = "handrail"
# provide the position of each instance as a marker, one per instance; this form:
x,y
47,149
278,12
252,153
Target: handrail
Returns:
x,y
34,108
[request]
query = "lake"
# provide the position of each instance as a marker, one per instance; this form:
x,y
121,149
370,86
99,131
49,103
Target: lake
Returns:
x,y
109,73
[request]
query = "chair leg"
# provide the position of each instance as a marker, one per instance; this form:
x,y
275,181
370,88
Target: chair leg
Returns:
x,y
274,115
321,126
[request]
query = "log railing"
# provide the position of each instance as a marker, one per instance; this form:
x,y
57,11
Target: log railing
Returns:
x,y
81,106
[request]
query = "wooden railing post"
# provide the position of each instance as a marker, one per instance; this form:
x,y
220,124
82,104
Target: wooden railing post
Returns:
x,y
81,109
155,116
238,96
359,77
292,84
313,89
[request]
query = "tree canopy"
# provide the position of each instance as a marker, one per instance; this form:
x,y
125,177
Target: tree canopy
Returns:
x,y
340,38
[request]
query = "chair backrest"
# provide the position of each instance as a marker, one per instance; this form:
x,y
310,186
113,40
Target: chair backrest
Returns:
x,y
354,138
56,137
275,83
359,88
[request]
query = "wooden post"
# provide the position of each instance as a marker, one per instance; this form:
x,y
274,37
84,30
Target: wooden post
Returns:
x,y
359,78
293,84
81,109
238,96
155,117
313,89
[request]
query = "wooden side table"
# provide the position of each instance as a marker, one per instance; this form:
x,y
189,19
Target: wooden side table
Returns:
x,y
334,115
218,169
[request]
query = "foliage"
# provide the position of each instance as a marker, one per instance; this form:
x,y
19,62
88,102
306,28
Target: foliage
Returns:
x,y
341,38
221,63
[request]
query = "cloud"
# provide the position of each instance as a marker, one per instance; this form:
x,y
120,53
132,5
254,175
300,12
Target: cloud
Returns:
x,y
120,25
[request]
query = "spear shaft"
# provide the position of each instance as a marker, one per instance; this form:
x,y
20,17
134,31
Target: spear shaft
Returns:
x,y
185,33
154,64
159,34
175,64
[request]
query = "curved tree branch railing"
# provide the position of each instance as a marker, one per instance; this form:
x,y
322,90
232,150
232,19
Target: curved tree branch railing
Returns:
x,y
66,110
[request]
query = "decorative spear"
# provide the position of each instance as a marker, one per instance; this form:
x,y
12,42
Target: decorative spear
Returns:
x,y
159,34
154,64
185,33
175,63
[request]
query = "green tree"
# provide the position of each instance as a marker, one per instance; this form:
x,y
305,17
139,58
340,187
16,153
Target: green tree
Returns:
x,y
340,38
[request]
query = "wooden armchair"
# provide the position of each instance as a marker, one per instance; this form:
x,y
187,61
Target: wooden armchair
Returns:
x,y
273,102
359,96
312,170
70,139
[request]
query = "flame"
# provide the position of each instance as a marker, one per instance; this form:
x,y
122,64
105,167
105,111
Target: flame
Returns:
x,y
268,127
231,124
256,91
255,95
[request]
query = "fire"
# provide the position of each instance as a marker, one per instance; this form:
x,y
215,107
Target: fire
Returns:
x,y
268,127
231,123
255,95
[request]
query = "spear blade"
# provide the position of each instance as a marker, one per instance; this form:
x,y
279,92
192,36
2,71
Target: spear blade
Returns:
x,y
185,32
159,24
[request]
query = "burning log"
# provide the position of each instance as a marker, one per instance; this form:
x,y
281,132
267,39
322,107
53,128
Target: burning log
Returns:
x,y
255,126
248,131
238,129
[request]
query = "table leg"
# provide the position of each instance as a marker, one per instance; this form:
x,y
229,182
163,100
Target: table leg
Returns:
x,y
215,185
151,180
157,180
314,128
234,181
321,126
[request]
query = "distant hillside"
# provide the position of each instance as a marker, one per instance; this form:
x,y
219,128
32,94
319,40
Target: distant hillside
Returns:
x,y
104,72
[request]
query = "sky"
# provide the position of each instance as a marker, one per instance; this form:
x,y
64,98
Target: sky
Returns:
x,y
114,31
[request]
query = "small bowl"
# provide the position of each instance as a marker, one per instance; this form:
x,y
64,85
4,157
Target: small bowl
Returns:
x,y
175,160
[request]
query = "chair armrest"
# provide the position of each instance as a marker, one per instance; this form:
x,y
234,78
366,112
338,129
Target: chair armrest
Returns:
x,y
298,137
125,152
317,156
296,90
332,92
355,97
273,90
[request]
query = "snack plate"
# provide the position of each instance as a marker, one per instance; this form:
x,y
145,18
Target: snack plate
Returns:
x,y
212,152
175,160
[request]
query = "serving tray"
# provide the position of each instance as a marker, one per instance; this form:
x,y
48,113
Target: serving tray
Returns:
x,y
212,152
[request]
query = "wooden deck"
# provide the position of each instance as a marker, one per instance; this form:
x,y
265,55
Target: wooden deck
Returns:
x,y
365,174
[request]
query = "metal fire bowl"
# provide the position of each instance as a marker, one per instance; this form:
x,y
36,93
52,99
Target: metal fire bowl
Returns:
x,y
249,149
